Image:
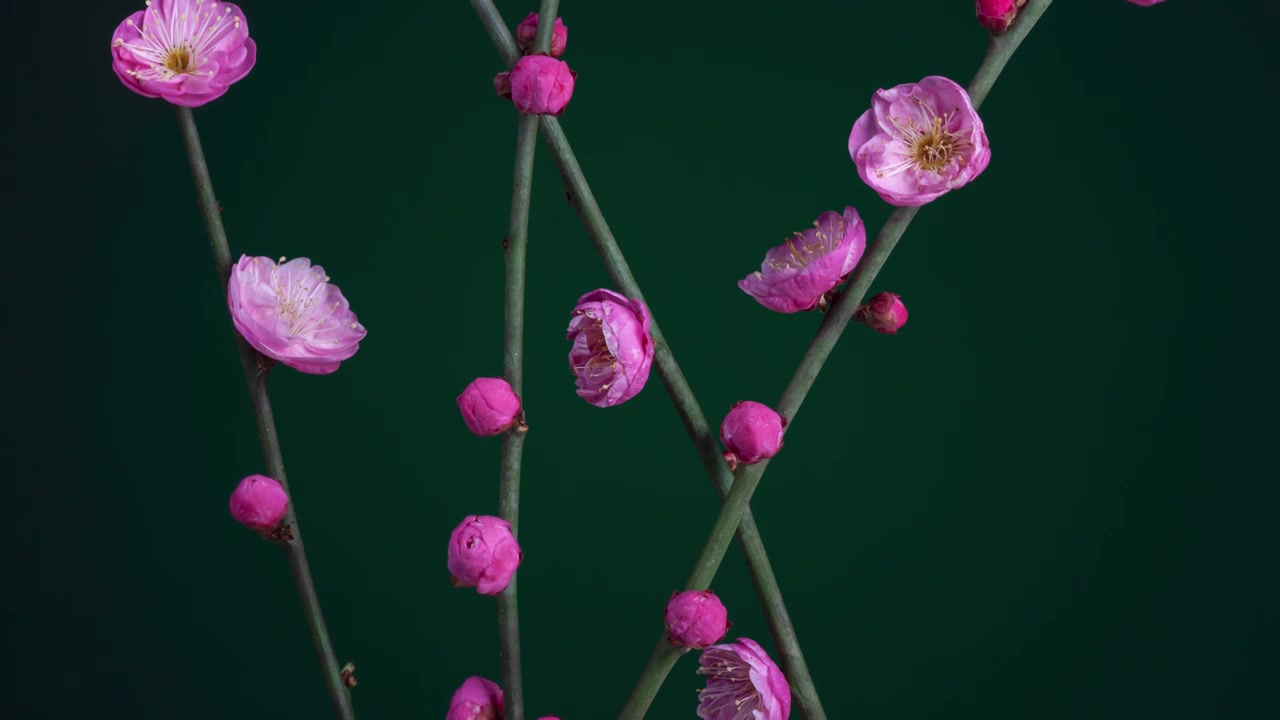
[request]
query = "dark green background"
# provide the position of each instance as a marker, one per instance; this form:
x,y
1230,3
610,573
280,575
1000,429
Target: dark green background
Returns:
x,y
1051,496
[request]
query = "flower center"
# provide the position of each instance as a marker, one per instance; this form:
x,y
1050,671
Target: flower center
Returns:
x,y
180,61
300,302
803,248
933,148
601,361
729,693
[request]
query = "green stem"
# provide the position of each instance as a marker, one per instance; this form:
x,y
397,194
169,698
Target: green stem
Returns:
x,y
735,505
704,439
256,370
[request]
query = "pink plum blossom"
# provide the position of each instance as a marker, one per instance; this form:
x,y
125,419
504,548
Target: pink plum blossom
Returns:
x,y
751,432
742,682
527,30
612,348
188,52
797,274
885,313
259,502
483,554
476,699
919,141
293,314
997,15
489,406
696,619
540,85
1145,3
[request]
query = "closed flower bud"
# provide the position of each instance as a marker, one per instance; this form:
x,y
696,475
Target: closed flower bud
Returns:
x,y
541,85
751,432
483,554
476,699
885,313
1145,3
997,15
489,406
696,619
259,502
527,30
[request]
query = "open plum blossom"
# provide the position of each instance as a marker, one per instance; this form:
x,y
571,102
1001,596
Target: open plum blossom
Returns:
x,y
489,406
742,683
188,52
696,619
527,30
885,314
919,141
259,502
476,699
751,432
483,554
612,348
797,274
293,314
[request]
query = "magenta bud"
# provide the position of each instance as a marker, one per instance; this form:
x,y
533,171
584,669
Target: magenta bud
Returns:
x,y
502,85
527,31
476,699
489,406
997,15
259,502
751,432
541,85
483,554
696,619
885,313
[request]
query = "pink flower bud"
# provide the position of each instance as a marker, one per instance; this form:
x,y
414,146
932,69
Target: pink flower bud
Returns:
x,y
884,314
293,314
259,502
476,699
751,432
741,675
1145,3
798,273
541,85
502,85
182,52
489,406
612,348
483,554
919,141
997,15
696,619
527,30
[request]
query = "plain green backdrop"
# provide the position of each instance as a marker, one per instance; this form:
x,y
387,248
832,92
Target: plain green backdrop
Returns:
x,y
1052,495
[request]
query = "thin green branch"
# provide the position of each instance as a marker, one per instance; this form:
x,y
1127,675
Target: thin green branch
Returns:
x,y
256,370
735,505
700,433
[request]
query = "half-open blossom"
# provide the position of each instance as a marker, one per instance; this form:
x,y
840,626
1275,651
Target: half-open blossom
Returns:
x,y
476,699
797,274
885,313
742,683
751,432
612,348
919,141
541,85
489,406
696,619
259,502
483,554
188,52
997,15
527,30
292,313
